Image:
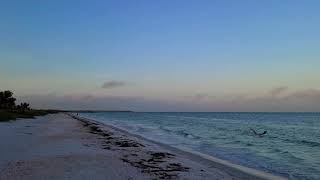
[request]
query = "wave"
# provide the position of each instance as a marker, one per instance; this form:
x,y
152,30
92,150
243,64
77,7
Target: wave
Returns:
x,y
310,143
304,142
188,135
291,157
181,133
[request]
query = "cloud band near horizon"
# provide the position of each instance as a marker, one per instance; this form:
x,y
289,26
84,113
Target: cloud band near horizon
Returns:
x,y
300,101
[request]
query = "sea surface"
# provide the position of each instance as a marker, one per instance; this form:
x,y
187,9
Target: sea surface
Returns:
x,y
291,147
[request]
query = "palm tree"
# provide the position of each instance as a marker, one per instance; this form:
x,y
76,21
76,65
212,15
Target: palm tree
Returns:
x,y
25,106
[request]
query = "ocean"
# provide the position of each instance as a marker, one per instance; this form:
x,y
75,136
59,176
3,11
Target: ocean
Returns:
x,y
291,147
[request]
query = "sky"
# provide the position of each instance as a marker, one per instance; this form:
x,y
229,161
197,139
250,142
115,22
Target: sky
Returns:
x,y
162,55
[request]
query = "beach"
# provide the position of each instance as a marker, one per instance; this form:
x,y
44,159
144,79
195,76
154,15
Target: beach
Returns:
x,y
63,146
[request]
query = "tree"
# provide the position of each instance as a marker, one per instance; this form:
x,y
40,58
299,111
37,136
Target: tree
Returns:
x,y
6,100
24,106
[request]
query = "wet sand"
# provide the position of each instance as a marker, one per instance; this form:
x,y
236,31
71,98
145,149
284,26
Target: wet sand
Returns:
x,y
59,146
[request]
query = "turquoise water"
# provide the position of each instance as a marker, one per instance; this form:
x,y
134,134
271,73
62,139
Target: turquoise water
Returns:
x,y
291,147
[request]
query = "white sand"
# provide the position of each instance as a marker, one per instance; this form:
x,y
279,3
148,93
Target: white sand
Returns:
x,y
58,146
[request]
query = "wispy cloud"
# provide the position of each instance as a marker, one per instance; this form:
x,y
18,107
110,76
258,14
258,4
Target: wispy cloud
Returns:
x,y
200,97
279,91
308,94
113,84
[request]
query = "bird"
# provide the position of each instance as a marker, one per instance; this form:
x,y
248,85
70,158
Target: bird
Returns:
x,y
258,134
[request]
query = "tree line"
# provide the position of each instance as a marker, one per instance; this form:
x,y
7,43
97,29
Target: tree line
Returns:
x,y
8,102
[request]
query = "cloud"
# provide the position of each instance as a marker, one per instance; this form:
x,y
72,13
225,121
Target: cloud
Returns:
x,y
201,97
113,84
307,100
304,100
308,93
278,91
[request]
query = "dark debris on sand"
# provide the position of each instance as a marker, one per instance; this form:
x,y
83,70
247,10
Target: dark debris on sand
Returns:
x,y
156,164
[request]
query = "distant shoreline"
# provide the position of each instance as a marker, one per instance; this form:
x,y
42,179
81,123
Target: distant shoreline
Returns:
x,y
96,111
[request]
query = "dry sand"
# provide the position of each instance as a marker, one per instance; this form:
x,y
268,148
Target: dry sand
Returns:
x,y
59,146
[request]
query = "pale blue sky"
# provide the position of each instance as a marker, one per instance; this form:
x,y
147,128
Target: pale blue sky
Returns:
x,y
167,55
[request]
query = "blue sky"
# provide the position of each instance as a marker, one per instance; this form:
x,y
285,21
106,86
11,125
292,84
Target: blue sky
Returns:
x,y
162,55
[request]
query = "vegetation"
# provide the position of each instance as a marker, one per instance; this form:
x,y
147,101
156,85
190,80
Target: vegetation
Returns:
x,y
6,100
10,111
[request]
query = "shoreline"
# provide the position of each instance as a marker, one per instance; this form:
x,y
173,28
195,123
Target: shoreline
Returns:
x,y
232,169
61,146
